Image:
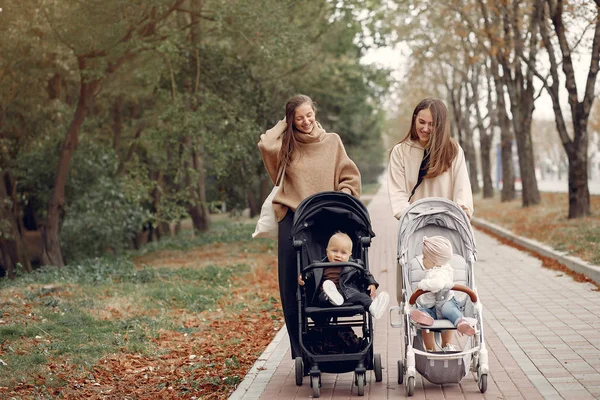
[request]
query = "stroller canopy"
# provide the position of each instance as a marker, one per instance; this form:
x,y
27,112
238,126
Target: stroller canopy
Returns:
x,y
430,217
321,215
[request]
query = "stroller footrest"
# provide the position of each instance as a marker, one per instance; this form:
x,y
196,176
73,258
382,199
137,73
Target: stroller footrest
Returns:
x,y
341,311
438,324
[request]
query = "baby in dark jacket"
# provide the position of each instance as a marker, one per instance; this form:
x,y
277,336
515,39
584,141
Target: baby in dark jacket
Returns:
x,y
341,284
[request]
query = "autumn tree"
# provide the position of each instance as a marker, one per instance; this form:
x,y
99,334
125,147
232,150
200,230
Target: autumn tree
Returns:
x,y
163,104
561,48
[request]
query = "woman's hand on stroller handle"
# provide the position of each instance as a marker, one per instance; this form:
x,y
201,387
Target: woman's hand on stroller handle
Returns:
x,y
459,288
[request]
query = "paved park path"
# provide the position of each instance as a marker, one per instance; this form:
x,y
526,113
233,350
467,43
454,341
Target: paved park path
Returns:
x,y
542,332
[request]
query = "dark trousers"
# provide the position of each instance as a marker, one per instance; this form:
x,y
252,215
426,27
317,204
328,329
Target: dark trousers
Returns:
x,y
362,299
288,282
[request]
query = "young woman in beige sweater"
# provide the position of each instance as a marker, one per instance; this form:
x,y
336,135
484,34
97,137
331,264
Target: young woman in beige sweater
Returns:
x,y
428,154
447,176
314,161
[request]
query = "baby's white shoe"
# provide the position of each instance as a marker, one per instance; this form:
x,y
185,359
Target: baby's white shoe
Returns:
x,y
379,305
332,293
449,347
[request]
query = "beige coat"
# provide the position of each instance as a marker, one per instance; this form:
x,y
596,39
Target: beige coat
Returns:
x,y
403,172
320,163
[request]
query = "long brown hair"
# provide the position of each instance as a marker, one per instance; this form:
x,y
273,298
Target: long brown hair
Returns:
x,y
289,142
442,148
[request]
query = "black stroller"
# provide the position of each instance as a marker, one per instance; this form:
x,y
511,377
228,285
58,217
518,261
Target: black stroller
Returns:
x,y
316,219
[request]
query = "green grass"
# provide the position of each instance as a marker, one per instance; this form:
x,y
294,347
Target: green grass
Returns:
x,y
55,315
223,230
65,332
193,290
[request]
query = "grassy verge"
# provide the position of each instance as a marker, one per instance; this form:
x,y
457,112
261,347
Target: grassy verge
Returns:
x,y
169,321
547,223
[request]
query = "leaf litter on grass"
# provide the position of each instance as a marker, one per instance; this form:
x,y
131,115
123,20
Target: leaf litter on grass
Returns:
x,y
185,354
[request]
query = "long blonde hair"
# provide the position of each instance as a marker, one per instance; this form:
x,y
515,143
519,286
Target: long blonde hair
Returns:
x,y
289,141
442,148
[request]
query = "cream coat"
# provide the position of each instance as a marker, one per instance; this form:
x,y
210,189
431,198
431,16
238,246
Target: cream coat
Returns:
x,y
403,172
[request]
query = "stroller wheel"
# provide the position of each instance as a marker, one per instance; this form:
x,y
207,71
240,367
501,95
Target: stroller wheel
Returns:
x,y
377,368
315,383
410,386
482,383
400,372
360,383
299,371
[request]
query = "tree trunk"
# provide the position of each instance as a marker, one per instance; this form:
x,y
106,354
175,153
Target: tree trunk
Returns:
x,y
20,233
519,82
464,133
486,166
117,125
485,147
579,194
122,168
8,249
522,125
55,87
522,128
197,208
508,192
163,229
12,249
470,155
472,79
8,257
471,158
265,188
253,204
485,138
576,148
52,254
466,142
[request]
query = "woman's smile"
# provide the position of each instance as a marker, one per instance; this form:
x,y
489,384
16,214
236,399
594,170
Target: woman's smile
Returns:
x,y
424,125
304,118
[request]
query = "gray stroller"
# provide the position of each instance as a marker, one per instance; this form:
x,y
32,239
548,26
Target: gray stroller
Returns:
x,y
430,217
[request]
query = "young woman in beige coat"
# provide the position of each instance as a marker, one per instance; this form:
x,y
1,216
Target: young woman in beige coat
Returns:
x,y
428,152
314,161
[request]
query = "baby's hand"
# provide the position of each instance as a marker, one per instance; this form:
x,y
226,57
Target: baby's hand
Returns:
x,y
300,281
372,289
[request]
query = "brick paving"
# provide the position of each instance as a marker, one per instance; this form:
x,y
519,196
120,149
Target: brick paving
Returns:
x,y
541,330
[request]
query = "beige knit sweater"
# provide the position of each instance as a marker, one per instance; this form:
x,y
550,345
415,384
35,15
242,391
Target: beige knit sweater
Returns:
x,y
320,163
403,172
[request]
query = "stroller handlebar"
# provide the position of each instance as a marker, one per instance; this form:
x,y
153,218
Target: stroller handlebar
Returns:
x,y
459,288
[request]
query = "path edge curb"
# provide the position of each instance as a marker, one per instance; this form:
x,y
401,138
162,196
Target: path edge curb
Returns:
x,y
258,369
575,264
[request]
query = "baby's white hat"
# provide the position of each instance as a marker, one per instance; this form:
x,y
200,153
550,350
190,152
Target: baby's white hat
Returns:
x,y
437,249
